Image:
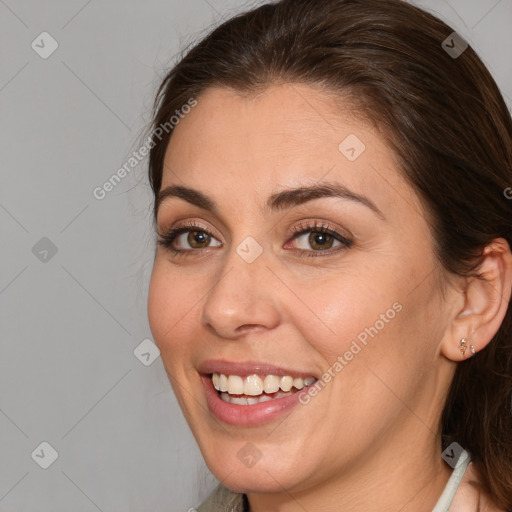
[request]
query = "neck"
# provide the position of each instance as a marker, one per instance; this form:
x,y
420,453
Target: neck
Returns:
x,y
406,474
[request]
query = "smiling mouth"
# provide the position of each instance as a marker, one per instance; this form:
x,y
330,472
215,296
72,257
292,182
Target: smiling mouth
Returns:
x,y
254,389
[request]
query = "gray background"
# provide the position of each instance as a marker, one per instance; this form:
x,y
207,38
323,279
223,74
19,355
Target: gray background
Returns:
x,y
70,321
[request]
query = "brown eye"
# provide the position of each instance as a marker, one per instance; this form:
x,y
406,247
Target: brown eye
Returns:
x,y
316,241
320,241
185,239
198,239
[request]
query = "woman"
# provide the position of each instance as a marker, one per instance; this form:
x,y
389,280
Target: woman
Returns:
x,y
331,287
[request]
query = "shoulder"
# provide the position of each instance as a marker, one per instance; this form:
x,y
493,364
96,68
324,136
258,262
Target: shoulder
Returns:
x,y
471,497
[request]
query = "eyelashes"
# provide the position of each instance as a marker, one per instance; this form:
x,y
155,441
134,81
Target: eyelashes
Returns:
x,y
319,234
322,239
168,238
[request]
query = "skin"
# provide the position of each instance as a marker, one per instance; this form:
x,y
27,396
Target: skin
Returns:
x,y
376,422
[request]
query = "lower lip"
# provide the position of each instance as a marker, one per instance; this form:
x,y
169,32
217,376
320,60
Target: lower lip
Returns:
x,y
246,415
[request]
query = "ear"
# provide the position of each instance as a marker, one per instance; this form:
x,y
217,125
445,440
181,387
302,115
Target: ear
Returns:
x,y
485,302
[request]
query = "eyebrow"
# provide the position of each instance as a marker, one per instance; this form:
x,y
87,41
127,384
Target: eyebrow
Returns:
x,y
278,201
190,195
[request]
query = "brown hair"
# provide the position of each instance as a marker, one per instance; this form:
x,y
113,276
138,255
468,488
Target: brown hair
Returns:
x,y
450,129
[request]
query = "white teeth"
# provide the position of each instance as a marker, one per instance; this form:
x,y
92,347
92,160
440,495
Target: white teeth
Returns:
x,y
257,400
226,397
271,384
254,386
286,383
223,383
235,385
298,383
238,401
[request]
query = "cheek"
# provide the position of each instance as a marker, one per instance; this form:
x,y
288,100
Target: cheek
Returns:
x,y
344,310
385,329
158,305
172,303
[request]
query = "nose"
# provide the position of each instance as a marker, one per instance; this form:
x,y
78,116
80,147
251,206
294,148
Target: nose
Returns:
x,y
242,299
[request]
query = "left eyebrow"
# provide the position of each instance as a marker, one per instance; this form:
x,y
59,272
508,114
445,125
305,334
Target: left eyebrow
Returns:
x,y
300,195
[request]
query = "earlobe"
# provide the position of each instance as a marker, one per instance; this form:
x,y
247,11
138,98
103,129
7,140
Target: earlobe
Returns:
x,y
486,300
459,349
463,346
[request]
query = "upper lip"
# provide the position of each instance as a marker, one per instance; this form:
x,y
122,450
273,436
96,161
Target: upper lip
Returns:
x,y
244,368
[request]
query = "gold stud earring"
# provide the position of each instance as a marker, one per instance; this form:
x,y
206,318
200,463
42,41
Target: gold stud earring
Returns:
x,y
463,346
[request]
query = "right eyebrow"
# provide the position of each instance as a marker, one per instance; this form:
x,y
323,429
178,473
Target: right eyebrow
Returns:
x,y
188,194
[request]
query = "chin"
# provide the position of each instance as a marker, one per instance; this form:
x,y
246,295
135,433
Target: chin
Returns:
x,y
250,481
268,474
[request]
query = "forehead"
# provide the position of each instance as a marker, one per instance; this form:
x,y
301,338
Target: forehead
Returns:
x,y
290,121
288,135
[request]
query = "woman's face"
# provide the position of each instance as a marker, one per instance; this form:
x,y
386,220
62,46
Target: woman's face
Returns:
x,y
303,254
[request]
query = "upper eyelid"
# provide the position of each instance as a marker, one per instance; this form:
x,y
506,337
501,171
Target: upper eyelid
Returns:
x,y
187,226
297,230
